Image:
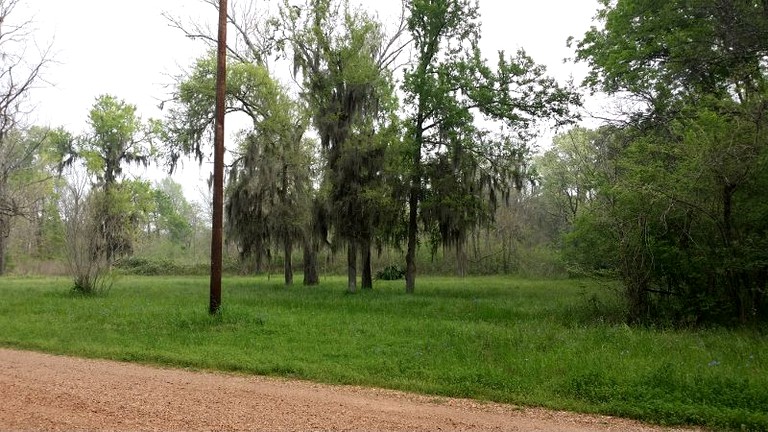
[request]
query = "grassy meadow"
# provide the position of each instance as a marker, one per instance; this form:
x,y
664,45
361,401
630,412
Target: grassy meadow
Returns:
x,y
557,344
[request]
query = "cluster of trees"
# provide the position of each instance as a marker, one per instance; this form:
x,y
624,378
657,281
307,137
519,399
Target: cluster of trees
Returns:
x,y
353,158
66,197
18,150
69,198
394,137
671,196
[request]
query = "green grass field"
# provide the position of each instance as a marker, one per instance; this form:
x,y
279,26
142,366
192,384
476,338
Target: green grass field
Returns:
x,y
555,344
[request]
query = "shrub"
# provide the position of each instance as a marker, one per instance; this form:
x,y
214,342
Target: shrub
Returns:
x,y
86,258
147,267
392,272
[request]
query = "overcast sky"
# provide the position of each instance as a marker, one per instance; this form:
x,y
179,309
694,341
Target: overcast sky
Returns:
x,y
127,48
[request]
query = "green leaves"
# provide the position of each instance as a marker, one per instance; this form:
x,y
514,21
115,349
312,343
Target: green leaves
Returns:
x,y
117,136
459,169
681,202
660,49
113,120
250,90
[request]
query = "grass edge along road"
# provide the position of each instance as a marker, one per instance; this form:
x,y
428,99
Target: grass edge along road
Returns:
x,y
555,344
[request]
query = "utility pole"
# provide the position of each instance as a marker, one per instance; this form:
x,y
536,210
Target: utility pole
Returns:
x,y
218,163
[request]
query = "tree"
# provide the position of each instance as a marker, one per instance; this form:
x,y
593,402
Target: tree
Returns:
x,y
270,183
343,56
174,213
567,172
448,84
269,188
19,72
659,53
685,209
467,179
269,196
117,137
88,266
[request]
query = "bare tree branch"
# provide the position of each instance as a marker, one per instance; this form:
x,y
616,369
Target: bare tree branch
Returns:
x,y
19,73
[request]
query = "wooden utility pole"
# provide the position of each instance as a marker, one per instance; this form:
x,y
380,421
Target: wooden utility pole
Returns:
x,y
218,163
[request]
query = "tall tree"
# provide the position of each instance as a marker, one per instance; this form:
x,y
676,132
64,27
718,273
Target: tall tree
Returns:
x,y
270,182
342,57
269,190
450,83
117,137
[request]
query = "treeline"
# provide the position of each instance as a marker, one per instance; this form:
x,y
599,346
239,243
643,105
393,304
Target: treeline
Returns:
x,y
359,156
671,196
402,149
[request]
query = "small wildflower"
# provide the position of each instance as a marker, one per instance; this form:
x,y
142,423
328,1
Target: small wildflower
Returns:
x,y
714,363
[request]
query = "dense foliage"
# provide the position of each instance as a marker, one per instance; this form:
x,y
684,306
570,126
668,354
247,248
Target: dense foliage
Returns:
x,y
677,188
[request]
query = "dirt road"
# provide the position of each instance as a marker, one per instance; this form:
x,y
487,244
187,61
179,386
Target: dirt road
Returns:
x,y
54,393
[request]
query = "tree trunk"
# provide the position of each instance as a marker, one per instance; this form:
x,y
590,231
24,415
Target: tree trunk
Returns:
x,y
5,230
258,260
410,256
638,302
352,267
728,191
367,275
310,262
288,261
733,276
504,256
413,208
461,259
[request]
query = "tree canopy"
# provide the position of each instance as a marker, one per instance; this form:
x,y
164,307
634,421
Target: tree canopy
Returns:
x,y
688,185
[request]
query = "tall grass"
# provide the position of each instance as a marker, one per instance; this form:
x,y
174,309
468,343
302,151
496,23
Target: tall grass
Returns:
x,y
556,344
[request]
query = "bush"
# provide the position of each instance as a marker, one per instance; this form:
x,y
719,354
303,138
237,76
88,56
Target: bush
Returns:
x,y
147,267
389,273
86,259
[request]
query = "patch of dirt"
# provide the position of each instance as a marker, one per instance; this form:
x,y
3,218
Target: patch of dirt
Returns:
x,y
55,393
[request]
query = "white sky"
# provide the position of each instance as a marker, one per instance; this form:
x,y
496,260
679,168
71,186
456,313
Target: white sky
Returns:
x,y
127,49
